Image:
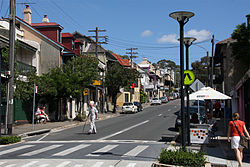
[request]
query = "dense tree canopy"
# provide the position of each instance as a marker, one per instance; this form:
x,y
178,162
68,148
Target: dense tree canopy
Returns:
x,y
118,77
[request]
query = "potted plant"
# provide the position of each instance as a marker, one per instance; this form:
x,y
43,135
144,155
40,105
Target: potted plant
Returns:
x,y
180,157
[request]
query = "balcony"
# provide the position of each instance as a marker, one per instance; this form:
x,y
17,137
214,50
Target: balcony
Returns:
x,y
25,68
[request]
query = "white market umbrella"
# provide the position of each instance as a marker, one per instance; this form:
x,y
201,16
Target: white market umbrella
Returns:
x,y
208,93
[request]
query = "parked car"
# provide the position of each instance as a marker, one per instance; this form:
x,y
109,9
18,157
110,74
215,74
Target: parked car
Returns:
x,y
164,99
139,106
192,109
156,101
201,103
129,107
171,96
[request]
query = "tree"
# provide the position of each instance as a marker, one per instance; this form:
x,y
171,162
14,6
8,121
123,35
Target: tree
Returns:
x,y
200,70
118,77
241,50
163,63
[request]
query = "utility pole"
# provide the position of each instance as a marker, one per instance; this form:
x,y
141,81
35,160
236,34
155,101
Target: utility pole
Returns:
x,y
212,78
0,91
12,35
97,30
131,54
131,60
207,69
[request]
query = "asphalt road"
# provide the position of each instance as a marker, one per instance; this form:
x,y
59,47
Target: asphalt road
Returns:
x,y
129,140
154,123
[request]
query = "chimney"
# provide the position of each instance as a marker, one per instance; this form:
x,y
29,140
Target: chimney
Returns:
x,y
27,14
248,20
45,19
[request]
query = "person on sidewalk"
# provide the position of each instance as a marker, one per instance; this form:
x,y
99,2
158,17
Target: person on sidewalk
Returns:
x,y
235,139
93,115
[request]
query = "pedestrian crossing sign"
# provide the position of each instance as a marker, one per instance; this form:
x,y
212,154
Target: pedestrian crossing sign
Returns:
x,y
188,77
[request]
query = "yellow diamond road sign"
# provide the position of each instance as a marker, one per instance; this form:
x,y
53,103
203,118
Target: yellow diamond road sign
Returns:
x,y
188,77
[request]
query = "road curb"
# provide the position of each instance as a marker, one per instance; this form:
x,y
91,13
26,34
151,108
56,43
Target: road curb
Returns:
x,y
32,133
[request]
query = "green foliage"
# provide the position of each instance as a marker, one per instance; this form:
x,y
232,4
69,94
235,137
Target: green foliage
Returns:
x,y
241,49
70,79
182,158
80,117
200,70
9,139
143,96
163,63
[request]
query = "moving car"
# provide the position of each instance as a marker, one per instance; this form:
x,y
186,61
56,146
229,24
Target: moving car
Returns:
x,y
156,100
139,106
164,99
129,107
192,109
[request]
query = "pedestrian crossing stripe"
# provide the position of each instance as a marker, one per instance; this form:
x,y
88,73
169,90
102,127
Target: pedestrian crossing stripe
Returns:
x,y
71,150
15,149
77,163
23,152
41,150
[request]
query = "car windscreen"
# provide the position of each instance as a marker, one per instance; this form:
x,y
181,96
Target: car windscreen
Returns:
x,y
127,104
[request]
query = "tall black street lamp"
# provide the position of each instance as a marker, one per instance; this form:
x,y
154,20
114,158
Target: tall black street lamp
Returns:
x,y
182,17
188,42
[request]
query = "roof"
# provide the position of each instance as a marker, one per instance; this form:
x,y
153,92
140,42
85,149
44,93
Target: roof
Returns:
x,y
123,62
50,24
78,41
67,35
227,40
36,30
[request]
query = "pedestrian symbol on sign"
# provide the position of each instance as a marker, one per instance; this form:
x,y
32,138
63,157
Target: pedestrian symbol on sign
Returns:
x,y
188,77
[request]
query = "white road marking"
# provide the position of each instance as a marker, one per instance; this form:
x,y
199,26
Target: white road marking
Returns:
x,y
10,165
78,165
134,152
98,164
2,163
131,165
15,149
175,106
159,115
71,150
44,165
30,164
64,164
43,137
41,150
169,109
102,150
124,130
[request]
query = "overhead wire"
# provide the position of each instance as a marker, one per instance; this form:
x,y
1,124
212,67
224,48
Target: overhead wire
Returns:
x,y
1,6
66,14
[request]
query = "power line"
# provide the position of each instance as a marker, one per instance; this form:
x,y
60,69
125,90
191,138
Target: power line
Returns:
x,y
66,14
1,6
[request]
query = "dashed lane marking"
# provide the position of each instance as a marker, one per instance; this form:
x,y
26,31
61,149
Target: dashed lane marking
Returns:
x,y
124,130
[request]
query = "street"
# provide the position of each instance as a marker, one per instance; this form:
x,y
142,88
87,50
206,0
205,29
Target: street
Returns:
x,y
129,140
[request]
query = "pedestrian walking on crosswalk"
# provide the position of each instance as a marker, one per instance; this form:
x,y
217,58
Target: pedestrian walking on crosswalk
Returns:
x,y
93,115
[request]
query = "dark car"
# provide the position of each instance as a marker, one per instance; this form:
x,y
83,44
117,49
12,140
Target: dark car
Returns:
x,y
201,103
192,110
139,106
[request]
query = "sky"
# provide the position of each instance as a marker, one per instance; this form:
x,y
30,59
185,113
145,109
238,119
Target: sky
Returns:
x,y
142,24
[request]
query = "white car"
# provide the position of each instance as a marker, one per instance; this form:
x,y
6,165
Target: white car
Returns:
x,y
129,107
156,101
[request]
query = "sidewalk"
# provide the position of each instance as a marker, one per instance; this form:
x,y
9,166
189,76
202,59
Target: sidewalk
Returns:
x,y
220,153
